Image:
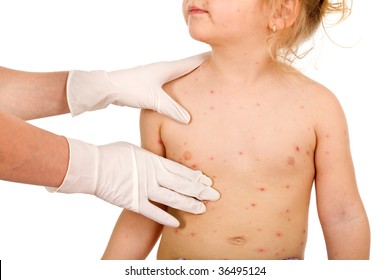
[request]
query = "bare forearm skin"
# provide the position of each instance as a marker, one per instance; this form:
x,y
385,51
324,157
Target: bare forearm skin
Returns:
x,y
29,95
31,155
348,240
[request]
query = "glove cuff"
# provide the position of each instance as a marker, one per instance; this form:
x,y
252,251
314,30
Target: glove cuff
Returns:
x,y
89,91
82,173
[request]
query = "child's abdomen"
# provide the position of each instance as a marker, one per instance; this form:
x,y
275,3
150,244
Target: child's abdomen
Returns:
x,y
261,222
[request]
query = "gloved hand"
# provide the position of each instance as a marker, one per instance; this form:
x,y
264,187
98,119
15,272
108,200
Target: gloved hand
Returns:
x,y
139,87
128,176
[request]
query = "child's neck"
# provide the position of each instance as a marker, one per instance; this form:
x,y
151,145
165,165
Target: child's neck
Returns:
x,y
240,65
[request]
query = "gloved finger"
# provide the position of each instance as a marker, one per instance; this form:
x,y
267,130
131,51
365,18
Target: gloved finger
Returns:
x,y
158,215
169,107
189,188
180,170
184,180
176,200
178,68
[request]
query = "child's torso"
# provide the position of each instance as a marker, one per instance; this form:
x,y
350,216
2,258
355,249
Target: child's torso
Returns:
x,y
258,147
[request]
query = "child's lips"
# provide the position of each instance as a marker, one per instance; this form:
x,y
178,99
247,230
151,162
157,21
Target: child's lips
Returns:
x,y
193,10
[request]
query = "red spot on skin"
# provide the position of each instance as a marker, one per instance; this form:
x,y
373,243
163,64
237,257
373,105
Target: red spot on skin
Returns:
x,y
212,91
287,186
258,104
187,155
176,231
160,142
211,107
259,229
297,149
262,189
211,158
194,166
287,211
327,136
279,234
240,153
291,161
193,234
253,204
260,250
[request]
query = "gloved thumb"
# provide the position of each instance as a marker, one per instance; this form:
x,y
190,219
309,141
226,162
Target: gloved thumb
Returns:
x,y
177,68
158,215
169,107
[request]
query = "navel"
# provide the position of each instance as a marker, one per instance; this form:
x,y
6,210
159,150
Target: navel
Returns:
x,y
237,240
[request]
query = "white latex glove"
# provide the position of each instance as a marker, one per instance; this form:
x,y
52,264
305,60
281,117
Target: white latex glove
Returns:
x,y
139,87
128,176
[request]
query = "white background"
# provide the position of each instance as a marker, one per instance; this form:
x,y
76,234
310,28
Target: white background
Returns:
x,y
45,35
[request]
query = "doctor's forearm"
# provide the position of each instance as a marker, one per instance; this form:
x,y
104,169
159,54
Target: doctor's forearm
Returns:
x,y
31,155
29,95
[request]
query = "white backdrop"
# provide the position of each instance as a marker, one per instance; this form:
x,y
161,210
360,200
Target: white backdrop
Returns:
x,y
45,35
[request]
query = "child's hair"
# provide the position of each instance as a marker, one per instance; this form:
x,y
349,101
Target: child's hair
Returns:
x,y
284,44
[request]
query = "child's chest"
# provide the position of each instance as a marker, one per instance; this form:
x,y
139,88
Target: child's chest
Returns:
x,y
242,134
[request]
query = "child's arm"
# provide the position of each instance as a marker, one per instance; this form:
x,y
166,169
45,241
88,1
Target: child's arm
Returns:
x,y
340,208
135,235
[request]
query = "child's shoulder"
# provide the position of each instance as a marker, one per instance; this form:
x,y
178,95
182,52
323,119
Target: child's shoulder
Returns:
x,y
150,118
319,96
321,102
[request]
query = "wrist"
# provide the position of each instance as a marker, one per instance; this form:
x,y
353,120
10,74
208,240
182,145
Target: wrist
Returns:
x,y
89,91
82,173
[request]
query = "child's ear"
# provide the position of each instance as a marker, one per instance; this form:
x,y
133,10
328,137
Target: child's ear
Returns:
x,y
284,14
